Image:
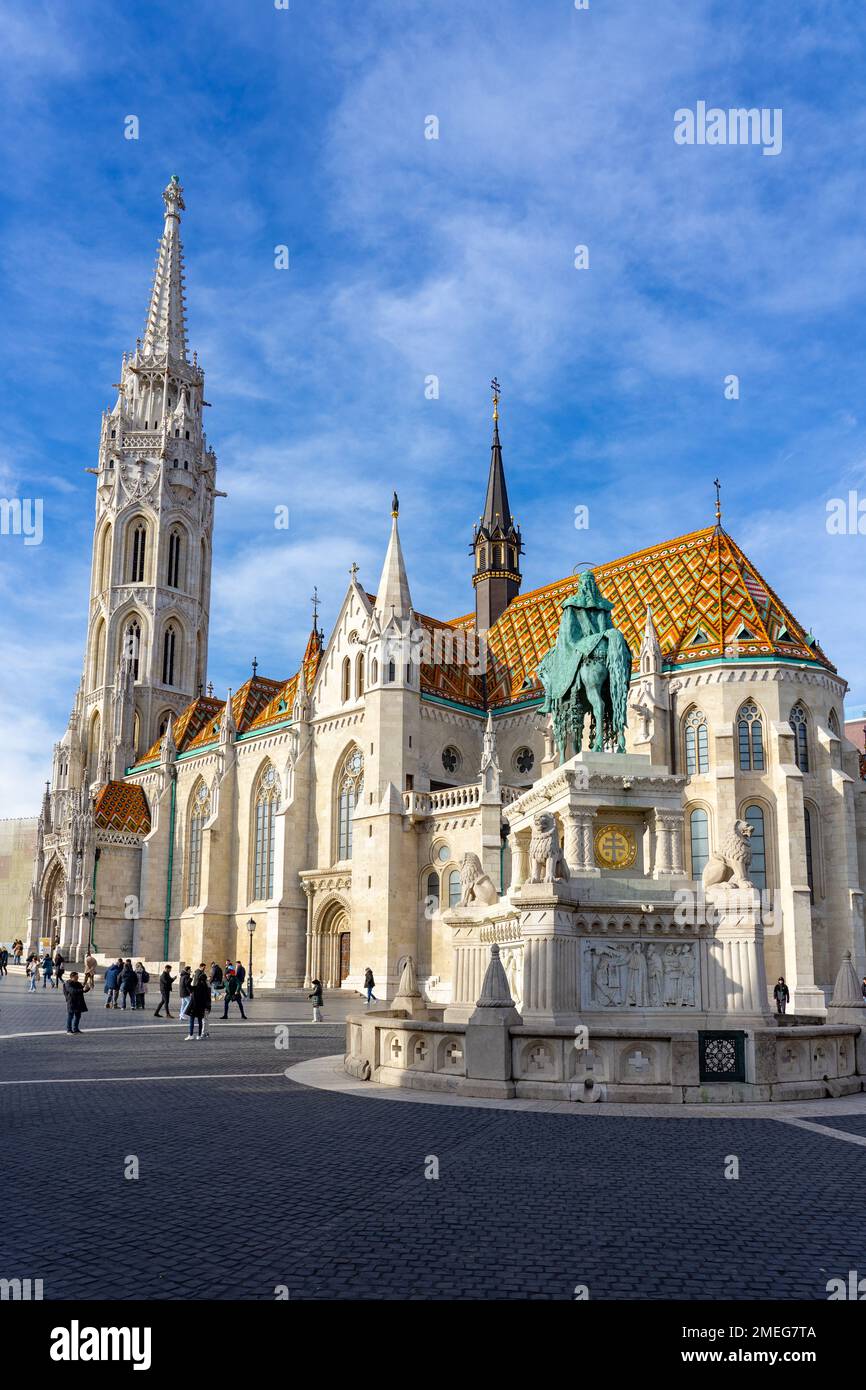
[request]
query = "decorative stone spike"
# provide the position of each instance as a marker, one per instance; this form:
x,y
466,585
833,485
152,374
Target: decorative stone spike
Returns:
x,y
847,993
409,998
408,986
495,993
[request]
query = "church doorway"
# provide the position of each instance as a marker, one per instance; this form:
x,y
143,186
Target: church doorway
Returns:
x,y
345,946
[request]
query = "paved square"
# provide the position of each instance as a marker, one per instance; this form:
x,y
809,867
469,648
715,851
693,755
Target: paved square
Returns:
x,y
249,1181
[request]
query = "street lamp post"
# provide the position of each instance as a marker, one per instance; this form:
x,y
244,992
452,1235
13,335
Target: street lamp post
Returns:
x,y
91,918
251,926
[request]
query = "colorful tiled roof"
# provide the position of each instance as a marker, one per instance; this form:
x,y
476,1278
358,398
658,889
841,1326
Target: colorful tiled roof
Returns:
x,y
707,599
256,703
122,806
281,704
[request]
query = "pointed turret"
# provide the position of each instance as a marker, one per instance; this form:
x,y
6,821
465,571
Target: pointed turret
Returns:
x,y
650,650
165,328
497,544
393,599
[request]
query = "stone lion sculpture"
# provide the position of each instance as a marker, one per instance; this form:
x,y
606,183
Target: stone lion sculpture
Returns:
x,y
729,867
546,860
476,886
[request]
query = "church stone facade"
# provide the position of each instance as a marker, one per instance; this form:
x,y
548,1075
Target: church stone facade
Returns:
x,y
333,807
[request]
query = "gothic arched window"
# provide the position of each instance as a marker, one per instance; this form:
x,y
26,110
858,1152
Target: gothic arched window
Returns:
x,y
264,820
833,721
697,743
359,675
199,813
754,815
99,655
699,835
455,892
750,738
139,546
175,543
131,650
798,721
810,867
433,891
346,685
351,783
169,643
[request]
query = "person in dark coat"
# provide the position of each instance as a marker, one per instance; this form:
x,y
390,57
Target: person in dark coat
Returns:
x,y
142,979
111,983
59,967
185,990
781,995
199,1003
216,978
47,969
318,999
233,995
128,984
369,985
76,1005
4,961
240,976
166,980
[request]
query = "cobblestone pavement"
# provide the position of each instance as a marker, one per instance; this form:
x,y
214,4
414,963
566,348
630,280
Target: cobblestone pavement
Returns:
x,y
249,1181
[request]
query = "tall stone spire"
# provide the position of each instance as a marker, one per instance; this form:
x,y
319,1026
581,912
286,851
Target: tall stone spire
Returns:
x,y
165,329
393,598
496,543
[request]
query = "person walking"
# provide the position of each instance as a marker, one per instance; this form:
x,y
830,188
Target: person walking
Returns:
x,y
199,1001
17,951
781,995
216,980
185,990
76,1005
47,969
233,995
370,985
318,999
59,967
240,976
32,968
90,970
4,960
111,984
166,980
128,984
141,982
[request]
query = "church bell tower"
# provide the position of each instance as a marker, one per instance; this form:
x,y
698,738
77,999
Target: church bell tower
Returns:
x,y
497,544
155,486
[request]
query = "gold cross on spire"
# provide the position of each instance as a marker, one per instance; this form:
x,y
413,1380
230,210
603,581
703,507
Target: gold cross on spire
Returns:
x,y
497,391
717,485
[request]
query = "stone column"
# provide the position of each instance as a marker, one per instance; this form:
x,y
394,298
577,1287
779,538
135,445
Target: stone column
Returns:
x,y
663,855
519,859
578,848
308,891
550,965
736,978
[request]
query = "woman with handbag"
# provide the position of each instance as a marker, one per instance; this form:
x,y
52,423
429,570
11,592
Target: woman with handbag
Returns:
x,y
317,998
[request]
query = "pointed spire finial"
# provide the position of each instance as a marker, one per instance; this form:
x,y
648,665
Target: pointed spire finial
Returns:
x,y
395,505
717,485
497,391
255,667
315,602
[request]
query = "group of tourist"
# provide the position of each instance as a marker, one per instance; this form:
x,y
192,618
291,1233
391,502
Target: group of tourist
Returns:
x,y
49,967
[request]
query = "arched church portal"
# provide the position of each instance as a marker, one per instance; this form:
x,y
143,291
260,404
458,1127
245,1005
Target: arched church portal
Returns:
x,y
332,946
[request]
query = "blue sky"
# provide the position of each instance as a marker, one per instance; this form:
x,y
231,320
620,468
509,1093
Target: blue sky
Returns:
x,y
453,257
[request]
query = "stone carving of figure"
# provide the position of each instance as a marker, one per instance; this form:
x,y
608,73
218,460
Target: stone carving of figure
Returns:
x,y
636,979
607,981
687,957
655,973
673,975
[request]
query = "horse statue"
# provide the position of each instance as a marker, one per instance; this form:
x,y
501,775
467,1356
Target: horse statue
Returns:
x,y
587,672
